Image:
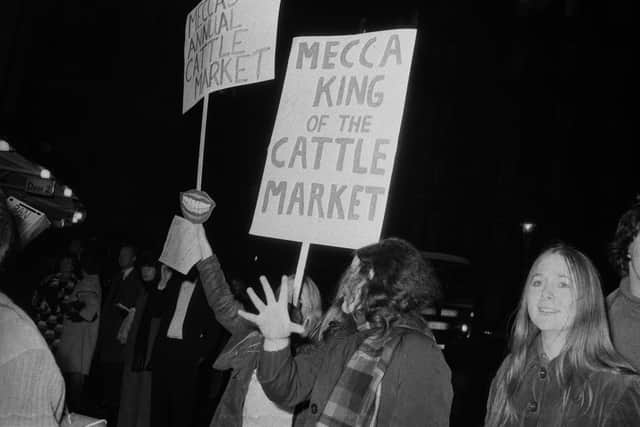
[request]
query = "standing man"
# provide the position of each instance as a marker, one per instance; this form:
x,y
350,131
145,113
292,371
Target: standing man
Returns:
x,y
118,310
624,303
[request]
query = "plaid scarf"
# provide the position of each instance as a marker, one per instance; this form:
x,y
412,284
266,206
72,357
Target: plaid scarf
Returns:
x,y
354,400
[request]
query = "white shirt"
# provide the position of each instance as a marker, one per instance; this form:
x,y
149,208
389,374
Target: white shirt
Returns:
x,y
126,272
175,327
259,411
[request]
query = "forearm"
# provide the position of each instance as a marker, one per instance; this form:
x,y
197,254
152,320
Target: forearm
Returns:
x,y
287,380
219,296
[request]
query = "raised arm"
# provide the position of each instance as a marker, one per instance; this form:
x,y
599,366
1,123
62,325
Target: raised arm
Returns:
x,y
217,291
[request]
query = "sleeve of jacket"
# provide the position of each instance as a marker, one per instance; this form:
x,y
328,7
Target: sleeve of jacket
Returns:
x,y
219,296
286,380
417,365
627,411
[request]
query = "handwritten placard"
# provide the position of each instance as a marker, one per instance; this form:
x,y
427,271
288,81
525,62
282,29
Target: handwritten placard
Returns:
x,y
331,156
228,43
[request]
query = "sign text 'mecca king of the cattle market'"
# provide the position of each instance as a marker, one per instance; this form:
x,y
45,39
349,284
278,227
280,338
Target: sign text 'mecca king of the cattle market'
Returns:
x,y
330,160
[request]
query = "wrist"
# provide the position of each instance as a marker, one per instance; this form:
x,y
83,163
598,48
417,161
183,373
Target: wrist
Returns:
x,y
275,344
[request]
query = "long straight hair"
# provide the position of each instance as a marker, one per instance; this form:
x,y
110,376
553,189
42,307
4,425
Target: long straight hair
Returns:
x,y
588,346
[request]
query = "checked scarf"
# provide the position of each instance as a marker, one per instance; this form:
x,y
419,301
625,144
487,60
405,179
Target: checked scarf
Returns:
x,y
354,400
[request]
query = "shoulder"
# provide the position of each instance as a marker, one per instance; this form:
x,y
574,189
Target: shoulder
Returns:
x,y
17,332
612,297
417,348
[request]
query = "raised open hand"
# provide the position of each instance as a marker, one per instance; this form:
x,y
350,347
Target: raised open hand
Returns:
x,y
273,317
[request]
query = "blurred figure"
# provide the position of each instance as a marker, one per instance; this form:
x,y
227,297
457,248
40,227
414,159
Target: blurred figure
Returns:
x,y
379,363
80,333
187,333
562,370
50,300
624,302
117,314
31,386
244,402
135,398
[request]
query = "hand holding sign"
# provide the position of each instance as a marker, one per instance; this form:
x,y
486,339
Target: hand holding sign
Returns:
x,y
273,317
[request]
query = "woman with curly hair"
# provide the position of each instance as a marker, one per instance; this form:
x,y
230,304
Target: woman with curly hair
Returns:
x,y
624,303
562,369
378,363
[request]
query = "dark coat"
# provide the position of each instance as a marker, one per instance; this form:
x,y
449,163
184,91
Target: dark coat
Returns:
x,y
124,292
538,402
416,388
200,331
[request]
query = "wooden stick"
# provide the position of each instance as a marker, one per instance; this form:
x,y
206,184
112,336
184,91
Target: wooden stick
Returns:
x,y
302,261
203,132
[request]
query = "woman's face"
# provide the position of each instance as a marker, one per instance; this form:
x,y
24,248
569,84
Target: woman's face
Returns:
x,y
148,273
551,295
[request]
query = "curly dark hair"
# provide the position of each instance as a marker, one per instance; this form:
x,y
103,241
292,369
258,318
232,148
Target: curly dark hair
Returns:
x,y
628,229
398,284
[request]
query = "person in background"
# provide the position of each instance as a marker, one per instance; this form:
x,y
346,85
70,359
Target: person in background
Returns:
x,y
379,363
50,300
32,390
562,369
244,402
188,331
80,332
135,398
117,311
624,303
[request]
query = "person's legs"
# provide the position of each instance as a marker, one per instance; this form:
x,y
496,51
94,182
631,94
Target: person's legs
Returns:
x,y
112,384
75,391
183,395
160,391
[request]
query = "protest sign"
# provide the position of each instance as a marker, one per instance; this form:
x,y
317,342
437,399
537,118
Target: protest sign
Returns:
x,y
329,164
228,43
30,222
181,251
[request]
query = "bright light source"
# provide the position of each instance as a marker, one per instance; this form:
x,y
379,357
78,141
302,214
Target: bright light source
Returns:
x,y
45,174
4,145
255,258
527,227
464,328
77,217
68,192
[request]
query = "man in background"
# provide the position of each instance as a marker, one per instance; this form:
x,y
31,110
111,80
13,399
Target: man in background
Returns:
x,y
118,307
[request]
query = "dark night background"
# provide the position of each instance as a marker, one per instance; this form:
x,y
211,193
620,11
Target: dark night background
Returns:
x,y
515,110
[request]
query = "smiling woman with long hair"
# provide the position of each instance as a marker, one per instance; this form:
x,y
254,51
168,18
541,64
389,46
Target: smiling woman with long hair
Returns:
x,y
562,369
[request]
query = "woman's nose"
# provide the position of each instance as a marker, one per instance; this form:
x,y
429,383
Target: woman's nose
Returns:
x,y
546,292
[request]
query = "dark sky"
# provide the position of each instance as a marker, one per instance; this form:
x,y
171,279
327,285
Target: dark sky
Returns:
x,y
515,110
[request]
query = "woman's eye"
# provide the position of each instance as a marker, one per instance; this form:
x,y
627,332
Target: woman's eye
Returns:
x,y
563,285
536,283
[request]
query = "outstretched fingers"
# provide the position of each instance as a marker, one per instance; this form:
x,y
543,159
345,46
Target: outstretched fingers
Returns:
x,y
253,318
268,293
255,299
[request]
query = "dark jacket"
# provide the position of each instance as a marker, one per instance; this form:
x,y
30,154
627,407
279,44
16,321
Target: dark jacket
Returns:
x,y
624,322
200,331
538,402
416,388
124,292
243,348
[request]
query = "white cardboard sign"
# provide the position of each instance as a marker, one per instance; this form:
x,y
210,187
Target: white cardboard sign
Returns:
x,y
180,250
331,156
228,43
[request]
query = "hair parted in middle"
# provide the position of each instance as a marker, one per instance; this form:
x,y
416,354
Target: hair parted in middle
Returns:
x,y
587,348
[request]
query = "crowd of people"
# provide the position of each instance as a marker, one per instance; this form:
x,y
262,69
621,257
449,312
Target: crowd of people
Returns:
x,y
137,348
